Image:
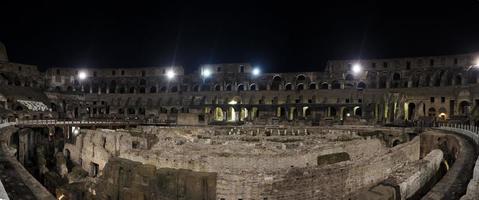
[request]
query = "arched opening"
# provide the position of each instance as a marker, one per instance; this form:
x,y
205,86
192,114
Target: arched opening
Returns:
x,y
300,78
275,85
458,80
231,114
335,85
196,88
431,112
307,112
396,77
358,111
241,87
346,113
396,142
218,114
153,89
174,110
464,108
288,86
243,114
252,87
349,77
174,89
382,82
324,86
228,87
411,111
332,112
142,90
300,87
122,90
312,86
132,90
281,112
205,87
361,85
163,89
217,87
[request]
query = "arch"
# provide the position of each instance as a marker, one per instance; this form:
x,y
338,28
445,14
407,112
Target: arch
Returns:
x,y
173,110
396,77
300,87
163,89
153,89
228,87
276,83
122,90
218,114
196,88
288,86
464,107
307,112
458,80
382,82
243,114
345,113
324,86
142,90
335,85
131,90
312,86
174,89
431,112
411,111
358,111
240,87
217,87
300,78
205,87
252,86
361,85
349,77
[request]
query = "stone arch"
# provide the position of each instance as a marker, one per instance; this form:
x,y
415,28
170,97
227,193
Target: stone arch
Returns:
x,y
361,85
153,89
196,88
173,110
228,87
205,87
131,90
174,89
252,86
300,78
217,87
458,79
431,112
312,86
300,86
324,86
464,107
288,86
142,90
411,111
357,111
335,85
276,83
382,82
349,77
240,87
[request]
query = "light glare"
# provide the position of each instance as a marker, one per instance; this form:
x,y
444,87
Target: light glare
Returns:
x,y
206,73
170,74
256,71
356,68
82,75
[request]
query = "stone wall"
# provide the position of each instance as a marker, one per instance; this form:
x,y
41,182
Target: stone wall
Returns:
x,y
254,163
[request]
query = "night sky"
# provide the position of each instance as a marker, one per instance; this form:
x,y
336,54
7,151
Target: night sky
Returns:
x,y
290,36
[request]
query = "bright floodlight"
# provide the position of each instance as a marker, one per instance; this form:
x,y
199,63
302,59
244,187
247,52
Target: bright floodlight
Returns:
x,y
170,74
82,75
256,71
356,68
206,73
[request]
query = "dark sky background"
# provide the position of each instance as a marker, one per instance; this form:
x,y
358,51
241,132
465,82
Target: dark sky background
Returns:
x,y
289,36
